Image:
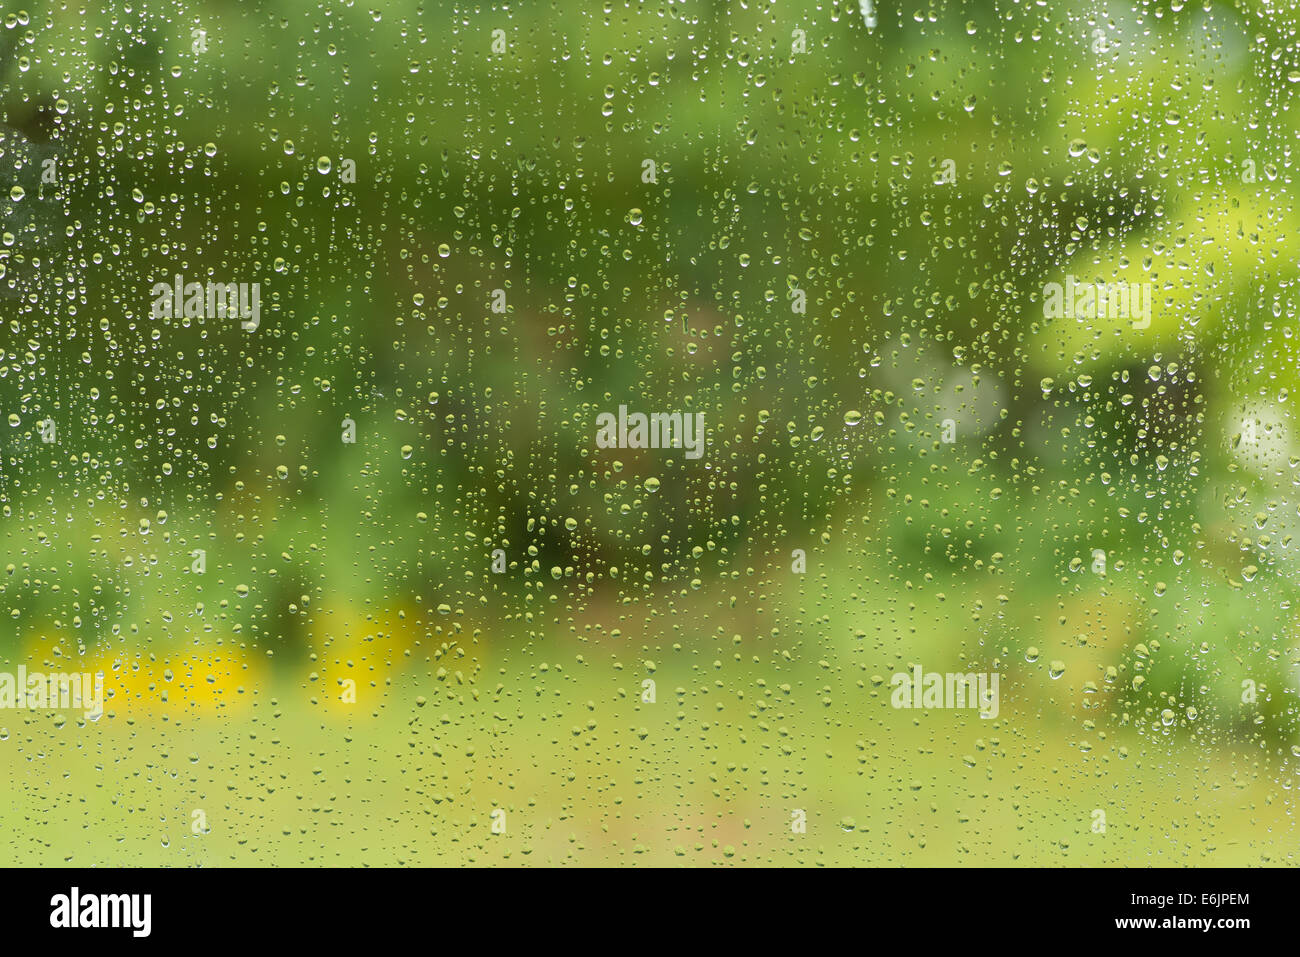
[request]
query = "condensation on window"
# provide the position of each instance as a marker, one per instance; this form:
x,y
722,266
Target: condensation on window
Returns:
x,y
648,433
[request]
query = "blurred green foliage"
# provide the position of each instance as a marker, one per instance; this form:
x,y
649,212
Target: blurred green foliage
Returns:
x,y
1111,148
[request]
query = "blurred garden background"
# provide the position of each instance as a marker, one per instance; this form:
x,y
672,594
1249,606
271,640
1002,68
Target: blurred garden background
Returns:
x,y
648,192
